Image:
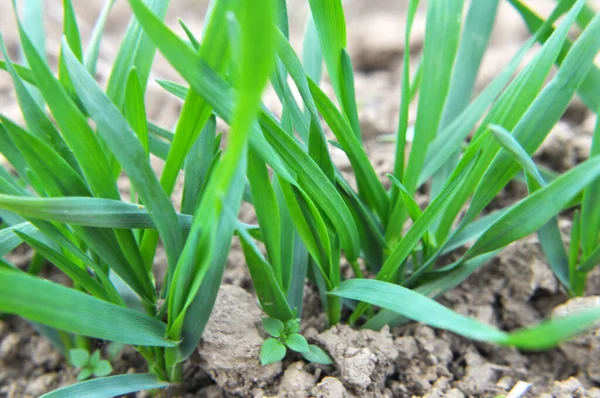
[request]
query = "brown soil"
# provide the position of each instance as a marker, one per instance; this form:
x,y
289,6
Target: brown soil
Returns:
x,y
514,290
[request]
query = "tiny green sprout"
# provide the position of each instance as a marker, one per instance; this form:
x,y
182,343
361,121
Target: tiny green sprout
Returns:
x,y
89,365
286,335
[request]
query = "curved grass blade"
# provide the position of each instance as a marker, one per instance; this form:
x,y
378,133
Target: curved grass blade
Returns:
x,y
38,123
588,91
509,109
449,280
549,234
202,78
533,212
86,211
206,82
128,150
423,309
543,114
441,44
72,270
396,259
45,302
109,386
370,187
9,240
510,144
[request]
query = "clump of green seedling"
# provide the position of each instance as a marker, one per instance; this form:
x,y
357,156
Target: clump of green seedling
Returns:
x,y
89,365
287,335
63,201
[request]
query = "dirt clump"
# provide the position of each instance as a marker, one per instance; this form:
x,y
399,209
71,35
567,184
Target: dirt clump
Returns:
x,y
363,358
230,346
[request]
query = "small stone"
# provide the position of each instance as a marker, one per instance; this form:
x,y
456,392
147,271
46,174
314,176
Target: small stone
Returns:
x,y
330,387
296,382
9,347
43,384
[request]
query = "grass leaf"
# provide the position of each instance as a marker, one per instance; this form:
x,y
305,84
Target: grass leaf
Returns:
x,y
109,386
45,302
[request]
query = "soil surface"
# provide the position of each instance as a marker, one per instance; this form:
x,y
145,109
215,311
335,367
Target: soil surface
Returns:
x,y
514,290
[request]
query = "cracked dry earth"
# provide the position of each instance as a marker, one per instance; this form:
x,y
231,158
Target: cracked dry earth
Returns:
x,y
515,289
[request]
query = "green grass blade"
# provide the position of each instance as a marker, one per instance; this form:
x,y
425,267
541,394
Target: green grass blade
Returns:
x,y
268,289
23,71
128,150
72,270
9,240
418,229
57,176
512,146
199,311
509,109
590,211
533,212
310,226
588,91
317,142
405,99
85,211
197,166
549,234
348,95
90,57
135,109
203,79
441,44
35,117
330,24
473,43
32,14
423,309
370,188
72,36
432,290
137,50
450,138
267,212
190,35
312,56
45,302
109,386
543,114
